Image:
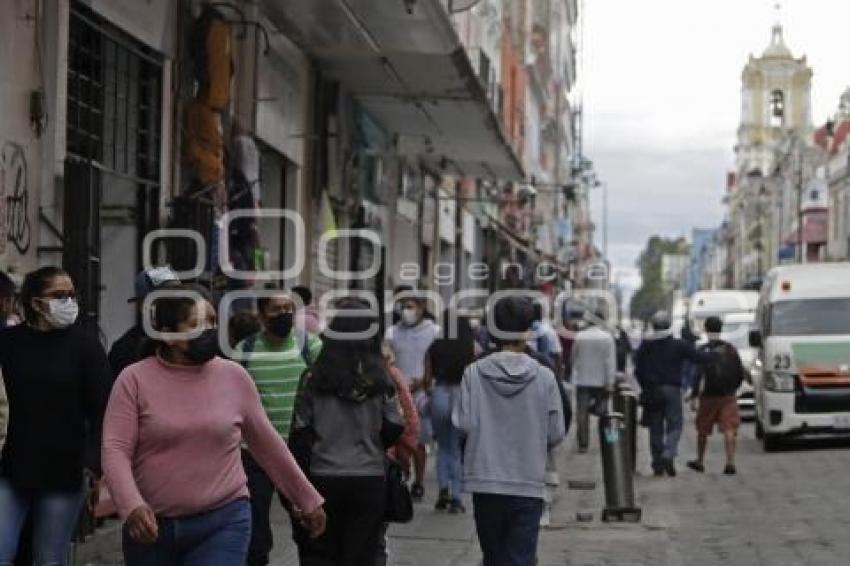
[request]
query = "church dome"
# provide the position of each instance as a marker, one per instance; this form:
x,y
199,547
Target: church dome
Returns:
x,y
777,48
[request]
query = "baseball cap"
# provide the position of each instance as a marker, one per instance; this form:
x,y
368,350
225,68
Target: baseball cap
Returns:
x,y
151,280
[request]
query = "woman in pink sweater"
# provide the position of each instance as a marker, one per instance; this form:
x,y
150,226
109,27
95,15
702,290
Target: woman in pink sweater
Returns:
x,y
171,459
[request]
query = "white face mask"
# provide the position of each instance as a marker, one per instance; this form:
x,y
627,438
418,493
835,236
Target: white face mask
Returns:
x,y
63,312
409,316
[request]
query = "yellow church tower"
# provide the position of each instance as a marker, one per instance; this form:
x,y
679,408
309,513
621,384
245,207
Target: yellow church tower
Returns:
x,y
776,100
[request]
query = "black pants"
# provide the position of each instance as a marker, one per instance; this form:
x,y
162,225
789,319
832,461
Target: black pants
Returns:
x,y
24,556
355,510
262,493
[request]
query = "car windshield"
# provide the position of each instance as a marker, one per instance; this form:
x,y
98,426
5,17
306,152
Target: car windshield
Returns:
x,y
737,334
812,317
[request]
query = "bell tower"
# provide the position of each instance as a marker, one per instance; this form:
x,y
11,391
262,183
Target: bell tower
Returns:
x,y
775,101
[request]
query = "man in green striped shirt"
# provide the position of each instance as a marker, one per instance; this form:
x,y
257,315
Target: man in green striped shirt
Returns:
x,y
275,357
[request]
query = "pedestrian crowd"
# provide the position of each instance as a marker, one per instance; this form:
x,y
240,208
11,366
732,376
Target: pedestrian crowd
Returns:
x,y
195,432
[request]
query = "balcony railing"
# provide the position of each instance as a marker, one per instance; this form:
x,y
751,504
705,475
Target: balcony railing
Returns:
x,y
487,76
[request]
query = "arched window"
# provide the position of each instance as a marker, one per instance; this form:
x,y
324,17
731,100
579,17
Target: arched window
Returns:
x,y
777,108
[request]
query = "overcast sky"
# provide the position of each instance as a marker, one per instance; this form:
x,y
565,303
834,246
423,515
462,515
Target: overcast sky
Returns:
x,y
661,89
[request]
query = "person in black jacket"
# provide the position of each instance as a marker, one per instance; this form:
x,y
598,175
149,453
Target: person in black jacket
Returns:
x,y
127,349
658,368
57,382
716,386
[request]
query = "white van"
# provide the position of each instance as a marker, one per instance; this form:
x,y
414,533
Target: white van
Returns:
x,y
719,303
803,336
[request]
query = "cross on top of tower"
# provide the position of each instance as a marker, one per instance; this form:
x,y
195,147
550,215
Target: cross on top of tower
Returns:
x,y
777,46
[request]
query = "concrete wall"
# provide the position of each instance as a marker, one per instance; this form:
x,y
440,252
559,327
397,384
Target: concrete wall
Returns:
x,y
20,146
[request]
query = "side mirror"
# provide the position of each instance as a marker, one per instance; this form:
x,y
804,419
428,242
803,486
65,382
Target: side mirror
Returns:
x,y
755,338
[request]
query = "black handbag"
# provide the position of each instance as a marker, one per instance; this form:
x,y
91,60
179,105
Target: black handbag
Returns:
x,y
399,503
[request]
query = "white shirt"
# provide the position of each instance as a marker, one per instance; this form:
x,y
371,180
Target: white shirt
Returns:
x,y
410,344
594,358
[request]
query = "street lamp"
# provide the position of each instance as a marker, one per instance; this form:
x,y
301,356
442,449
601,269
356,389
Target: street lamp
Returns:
x,y
604,185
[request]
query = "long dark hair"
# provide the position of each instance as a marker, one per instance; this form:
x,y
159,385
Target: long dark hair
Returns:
x,y
34,285
453,350
350,367
169,312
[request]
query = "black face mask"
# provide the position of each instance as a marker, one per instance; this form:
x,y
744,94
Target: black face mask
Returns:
x,y
203,348
281,325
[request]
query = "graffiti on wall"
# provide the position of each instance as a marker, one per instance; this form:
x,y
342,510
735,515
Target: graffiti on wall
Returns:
x,y
14,199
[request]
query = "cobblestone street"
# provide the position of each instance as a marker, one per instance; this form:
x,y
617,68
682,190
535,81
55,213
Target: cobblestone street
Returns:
x,y
783,509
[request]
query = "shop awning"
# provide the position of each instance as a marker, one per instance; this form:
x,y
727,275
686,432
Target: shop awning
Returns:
x,y
815,229
408,69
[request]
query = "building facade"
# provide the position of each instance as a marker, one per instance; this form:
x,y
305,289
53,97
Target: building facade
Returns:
x,y
777,210
269,127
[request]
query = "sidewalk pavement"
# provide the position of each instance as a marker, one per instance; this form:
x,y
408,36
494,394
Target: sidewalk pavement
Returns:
x,y
437,538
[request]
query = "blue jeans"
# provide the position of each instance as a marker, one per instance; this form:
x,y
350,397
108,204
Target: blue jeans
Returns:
x,y
219,537
449,464
508,527
665,425
54,516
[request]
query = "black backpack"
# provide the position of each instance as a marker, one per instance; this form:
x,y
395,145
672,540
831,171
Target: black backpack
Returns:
x,y
724,374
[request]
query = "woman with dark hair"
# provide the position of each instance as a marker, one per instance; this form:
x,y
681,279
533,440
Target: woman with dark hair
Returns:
x,y
171,447
445,362
347,413
57,382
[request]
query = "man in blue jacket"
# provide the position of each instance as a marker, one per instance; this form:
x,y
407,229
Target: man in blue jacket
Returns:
x,y
658,367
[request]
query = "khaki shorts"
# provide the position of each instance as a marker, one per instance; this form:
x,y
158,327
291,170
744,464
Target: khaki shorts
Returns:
x,y
722,411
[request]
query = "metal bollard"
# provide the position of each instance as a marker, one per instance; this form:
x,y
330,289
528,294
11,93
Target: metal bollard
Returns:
x,y
617,470
626,403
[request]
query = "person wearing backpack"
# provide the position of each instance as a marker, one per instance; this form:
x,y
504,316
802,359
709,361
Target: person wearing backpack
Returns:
x,y
658,369
276,357
716,388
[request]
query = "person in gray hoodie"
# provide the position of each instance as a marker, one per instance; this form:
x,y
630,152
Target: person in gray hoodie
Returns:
x,y
510,412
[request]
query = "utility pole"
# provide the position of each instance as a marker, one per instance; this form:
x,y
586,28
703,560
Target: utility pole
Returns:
x,y
801,245
605,220
459,251
435,239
